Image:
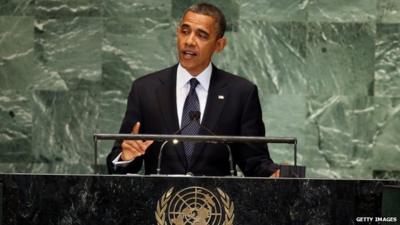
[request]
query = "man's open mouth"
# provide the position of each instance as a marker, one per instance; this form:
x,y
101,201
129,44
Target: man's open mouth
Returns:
x,y
189,54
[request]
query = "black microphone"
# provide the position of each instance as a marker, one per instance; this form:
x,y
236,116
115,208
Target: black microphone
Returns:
x,y
194,116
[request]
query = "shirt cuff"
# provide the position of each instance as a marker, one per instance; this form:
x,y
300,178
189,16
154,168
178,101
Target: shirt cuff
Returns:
x,y
117,161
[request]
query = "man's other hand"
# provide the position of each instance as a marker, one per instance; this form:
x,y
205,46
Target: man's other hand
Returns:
x,y
134,148
276,174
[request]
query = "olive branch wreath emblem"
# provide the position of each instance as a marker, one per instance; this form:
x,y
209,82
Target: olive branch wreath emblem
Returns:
x,y
228,207
162,207
162,204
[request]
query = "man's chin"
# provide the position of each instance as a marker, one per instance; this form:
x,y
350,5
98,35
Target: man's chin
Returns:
x,y
189,67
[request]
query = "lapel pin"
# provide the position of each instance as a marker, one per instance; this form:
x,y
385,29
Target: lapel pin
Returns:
x,y
221,97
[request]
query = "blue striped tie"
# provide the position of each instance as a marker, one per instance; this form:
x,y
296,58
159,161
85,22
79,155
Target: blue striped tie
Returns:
x,y
191,104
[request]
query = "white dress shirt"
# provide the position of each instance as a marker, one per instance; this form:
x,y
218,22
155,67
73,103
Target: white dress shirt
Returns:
x,y
182,89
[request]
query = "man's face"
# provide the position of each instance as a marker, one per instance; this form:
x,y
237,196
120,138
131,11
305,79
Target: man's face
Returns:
x,y
197,40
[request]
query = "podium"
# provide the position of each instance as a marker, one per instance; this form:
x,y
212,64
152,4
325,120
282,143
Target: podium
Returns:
x,y
167,200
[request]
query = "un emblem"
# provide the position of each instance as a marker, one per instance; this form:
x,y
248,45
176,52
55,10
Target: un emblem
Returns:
x,y
194,206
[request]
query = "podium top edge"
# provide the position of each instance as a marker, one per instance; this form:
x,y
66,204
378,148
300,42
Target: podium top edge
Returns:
x,y
196,138
391,182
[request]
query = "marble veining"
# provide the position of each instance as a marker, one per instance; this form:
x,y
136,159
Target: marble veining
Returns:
x,y
328,73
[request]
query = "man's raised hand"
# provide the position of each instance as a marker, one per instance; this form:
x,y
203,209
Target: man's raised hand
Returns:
x,y
134,148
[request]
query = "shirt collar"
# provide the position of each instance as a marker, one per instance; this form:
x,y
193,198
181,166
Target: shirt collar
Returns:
x,y
183,77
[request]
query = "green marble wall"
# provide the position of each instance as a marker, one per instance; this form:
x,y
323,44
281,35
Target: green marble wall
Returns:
x,y
328,73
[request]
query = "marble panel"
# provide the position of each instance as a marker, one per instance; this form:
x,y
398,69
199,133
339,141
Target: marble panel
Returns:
x,y
23,166
15,131
228,59
272,55
70,8
340,59
230,9
285,116
17,7
388,11
63,125
329,139
274,11
353,11
345,136
387,60
112,106
17,67
133,47
386,155
69,51
316,162
327,73
137,8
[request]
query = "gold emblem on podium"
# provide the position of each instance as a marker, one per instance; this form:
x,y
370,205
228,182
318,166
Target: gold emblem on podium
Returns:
x,y
194,206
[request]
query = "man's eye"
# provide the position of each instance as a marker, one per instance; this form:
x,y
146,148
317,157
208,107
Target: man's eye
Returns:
x,y
202,35
185,31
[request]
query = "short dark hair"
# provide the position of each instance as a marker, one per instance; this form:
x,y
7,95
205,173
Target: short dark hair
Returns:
x,y
210,10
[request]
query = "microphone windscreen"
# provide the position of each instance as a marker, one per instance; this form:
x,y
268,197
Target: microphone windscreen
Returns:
x,y
194,115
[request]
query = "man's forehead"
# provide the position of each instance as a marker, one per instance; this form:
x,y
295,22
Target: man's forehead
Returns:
x,y
200,21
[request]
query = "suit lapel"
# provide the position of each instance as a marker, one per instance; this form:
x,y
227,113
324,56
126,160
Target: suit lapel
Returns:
x,y
166,95
217,92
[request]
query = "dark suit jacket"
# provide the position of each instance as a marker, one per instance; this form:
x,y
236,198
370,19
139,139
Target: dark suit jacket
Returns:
x,y
152,101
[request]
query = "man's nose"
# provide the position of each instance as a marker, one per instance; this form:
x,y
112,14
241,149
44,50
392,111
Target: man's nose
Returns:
x,y
190,40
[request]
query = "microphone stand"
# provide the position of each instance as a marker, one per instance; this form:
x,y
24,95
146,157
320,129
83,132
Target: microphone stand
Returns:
x,y
196,116
231,167
159,158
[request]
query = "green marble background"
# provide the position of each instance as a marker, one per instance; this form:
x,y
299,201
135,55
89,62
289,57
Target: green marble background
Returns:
x,y
328,73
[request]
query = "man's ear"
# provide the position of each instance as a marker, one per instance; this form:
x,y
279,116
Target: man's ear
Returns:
x,y
221,43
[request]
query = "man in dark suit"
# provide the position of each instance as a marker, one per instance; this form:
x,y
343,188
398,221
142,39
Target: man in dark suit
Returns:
x,y
160,103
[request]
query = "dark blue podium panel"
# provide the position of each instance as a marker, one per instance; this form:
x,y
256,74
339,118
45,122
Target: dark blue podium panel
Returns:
x,y
162,200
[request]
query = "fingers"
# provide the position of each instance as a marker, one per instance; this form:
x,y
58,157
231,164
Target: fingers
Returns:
x,y
276,174
130,150
148,143
134,148
137,145
136,128
127,155
140,146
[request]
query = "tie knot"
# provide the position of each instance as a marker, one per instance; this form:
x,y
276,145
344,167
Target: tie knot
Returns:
x,y
193,83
